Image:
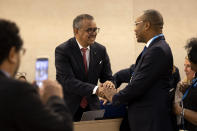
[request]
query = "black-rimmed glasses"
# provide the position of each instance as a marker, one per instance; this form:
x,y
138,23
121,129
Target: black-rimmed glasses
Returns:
x,y
21,74
22,51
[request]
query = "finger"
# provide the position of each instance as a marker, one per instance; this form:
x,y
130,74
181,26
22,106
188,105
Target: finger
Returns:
x,y
101,85
112,86
104,102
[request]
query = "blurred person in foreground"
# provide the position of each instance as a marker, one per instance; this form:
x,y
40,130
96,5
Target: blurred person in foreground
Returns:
x,y
22,107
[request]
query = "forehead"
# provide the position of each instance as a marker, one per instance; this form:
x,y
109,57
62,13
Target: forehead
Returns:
x,y
88,23
140,18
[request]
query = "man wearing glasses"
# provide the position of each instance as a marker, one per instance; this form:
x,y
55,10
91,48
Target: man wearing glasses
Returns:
x,y
147,93
80,62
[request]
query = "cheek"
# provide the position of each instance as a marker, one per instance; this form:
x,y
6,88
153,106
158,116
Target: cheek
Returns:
x,y
136,29
85,36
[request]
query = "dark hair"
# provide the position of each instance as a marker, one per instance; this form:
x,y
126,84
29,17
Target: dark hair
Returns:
x,y
9,37
154,17
191,48
79,18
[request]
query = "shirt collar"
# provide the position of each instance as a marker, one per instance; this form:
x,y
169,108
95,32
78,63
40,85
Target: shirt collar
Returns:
x,y
80,47
150,41
5,73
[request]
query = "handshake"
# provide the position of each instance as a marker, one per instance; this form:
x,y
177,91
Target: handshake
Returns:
x,y
106,91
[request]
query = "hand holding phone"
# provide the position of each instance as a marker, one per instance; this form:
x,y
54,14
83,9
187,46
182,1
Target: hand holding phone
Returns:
x,y
41,70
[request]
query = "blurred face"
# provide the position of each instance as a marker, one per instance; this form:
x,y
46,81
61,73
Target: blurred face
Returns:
x,y
188,71
140,30
86,35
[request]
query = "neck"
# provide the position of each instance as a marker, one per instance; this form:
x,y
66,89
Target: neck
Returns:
x,y
84,45
5,67
152,34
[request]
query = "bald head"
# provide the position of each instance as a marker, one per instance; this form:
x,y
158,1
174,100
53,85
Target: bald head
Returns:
x,y
154,17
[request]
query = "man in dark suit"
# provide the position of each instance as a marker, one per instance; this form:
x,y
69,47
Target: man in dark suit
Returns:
x,y
22,108
147,93
80,62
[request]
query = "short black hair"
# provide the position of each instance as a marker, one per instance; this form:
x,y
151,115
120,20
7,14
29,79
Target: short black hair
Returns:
x,y
9,37
191,48
154,17
79,18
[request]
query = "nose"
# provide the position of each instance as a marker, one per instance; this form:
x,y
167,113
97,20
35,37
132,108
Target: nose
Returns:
x,y
135,30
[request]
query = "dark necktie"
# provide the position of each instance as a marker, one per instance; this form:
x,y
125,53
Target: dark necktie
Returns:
x,y
84,58
84,101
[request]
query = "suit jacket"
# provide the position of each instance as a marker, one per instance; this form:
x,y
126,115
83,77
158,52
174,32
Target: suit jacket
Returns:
x,y
70,72
22,110
123,76
147,94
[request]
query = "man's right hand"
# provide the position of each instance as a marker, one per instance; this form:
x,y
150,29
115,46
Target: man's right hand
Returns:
x,y
50,88
99,91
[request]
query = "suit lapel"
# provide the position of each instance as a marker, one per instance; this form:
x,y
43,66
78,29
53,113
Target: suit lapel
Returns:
x,y
141,56
92,61
78,56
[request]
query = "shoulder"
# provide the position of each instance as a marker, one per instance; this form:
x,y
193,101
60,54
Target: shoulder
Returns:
x,y
66,45
161,46
15,86
98,47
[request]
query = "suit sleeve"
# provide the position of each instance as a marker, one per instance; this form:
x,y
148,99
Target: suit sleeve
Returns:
x,y
106,73
66,76
32,115
123,76
148,72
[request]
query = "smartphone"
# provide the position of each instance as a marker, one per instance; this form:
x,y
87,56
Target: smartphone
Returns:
x,y
41,70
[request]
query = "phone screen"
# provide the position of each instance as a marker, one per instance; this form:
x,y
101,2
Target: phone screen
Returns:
x,y
41,70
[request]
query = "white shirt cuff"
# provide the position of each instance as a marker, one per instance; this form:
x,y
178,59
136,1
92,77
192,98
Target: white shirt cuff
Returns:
x,y
94,91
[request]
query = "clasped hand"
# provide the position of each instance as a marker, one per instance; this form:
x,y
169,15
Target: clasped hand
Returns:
x,y
106,91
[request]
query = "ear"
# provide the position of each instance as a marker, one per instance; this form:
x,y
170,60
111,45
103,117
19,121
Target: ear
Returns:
x,y
12,56
75,30
147,25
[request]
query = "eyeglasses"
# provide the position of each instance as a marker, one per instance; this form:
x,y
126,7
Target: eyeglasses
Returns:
x,y
92,30
22,51
137,23
21,74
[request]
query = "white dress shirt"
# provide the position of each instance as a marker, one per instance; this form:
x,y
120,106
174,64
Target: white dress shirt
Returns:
x,y
88,61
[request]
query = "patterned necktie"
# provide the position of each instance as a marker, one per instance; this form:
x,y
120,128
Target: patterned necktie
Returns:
x,y
84,101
